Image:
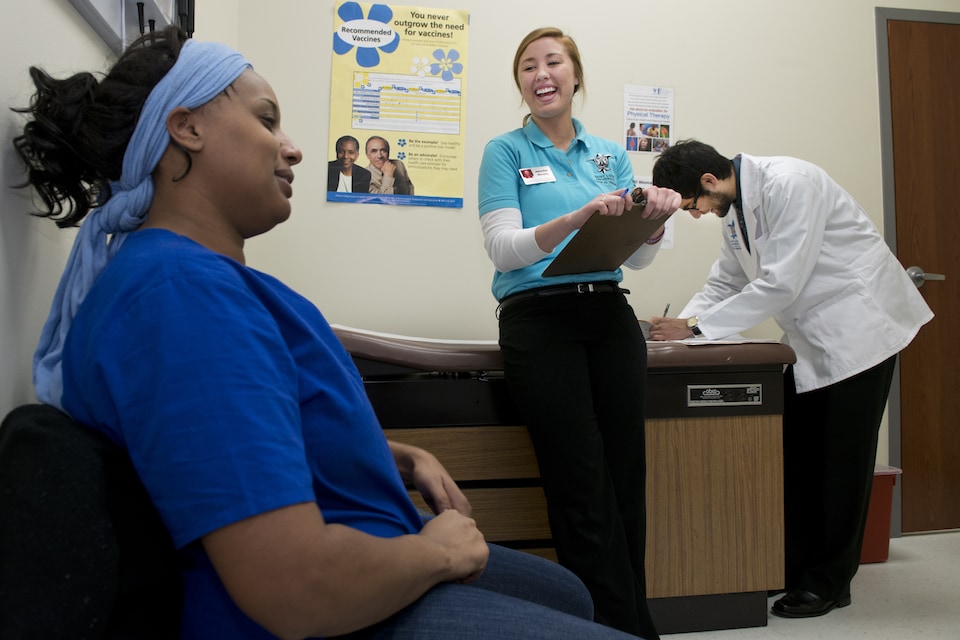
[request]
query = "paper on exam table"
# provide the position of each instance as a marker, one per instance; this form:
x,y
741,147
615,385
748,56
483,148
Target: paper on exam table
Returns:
x,y
734,339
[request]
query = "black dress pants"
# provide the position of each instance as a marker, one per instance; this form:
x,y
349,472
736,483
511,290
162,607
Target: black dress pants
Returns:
x,y
576,366
829,452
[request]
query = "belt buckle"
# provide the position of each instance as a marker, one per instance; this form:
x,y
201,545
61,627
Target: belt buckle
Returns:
x,y
586,287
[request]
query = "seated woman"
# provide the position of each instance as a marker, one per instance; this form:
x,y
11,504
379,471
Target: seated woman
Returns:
x,y
239,408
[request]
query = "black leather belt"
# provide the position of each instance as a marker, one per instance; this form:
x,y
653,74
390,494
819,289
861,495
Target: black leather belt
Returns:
x,y
564,289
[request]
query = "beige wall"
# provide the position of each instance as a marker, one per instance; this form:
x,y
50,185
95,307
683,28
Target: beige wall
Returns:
x,y
52,35
32,254
760,76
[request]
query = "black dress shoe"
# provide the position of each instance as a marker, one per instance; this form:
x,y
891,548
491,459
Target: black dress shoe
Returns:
x,y
804,604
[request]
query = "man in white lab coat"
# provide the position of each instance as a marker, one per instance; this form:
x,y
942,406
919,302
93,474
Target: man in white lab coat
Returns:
x,y
798,248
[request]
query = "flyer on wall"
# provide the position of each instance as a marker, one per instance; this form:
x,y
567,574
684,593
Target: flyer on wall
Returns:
x,y
667,242
647,118
397,105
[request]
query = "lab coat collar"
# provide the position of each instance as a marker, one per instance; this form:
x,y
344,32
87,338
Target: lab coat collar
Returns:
x,y
749,183
749,186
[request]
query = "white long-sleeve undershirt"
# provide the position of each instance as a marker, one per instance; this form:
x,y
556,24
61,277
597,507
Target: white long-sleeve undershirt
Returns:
x,y
510,246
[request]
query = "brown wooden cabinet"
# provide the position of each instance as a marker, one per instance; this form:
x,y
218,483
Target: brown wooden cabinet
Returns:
x,y
714,467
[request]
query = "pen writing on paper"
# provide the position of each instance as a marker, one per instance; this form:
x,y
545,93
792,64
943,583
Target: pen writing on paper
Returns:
x,y
666,310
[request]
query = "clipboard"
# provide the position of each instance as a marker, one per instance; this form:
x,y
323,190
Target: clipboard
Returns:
x,y
603,243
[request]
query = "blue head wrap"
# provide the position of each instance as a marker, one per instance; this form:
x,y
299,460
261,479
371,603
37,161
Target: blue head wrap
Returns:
x,y
202,71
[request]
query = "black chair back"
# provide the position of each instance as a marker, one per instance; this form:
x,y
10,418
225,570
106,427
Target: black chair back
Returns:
x,y
83,552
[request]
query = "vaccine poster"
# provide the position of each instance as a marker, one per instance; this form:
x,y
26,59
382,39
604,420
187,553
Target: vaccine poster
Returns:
x,y
397,112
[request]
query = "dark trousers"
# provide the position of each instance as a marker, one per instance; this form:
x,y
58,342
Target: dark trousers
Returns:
x,y
829,451
576,366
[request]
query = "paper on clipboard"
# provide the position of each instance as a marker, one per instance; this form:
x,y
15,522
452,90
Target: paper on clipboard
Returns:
x,y
603,243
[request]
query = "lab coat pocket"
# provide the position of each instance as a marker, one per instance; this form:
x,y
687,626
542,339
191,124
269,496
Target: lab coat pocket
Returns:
x,y
845,333
901,304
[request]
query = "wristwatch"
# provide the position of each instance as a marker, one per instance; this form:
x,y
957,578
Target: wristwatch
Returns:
x,y
692,323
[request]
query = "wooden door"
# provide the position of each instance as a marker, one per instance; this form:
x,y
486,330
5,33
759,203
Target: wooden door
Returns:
x,y
924,74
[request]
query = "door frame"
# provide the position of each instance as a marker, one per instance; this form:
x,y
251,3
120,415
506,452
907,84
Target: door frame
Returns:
x,y
883,16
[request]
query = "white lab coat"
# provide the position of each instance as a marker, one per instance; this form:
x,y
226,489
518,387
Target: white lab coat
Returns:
x,y
818,266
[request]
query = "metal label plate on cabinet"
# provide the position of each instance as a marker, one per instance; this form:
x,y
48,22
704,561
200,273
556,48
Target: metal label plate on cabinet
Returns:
x,y
728,395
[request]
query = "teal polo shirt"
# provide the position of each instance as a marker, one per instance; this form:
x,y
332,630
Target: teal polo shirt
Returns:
x,y
557,182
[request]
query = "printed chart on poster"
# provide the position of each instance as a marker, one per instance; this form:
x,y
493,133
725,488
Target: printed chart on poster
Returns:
x,y
397,117
647,118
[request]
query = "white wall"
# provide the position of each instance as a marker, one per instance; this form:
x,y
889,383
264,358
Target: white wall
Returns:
x,y
32,251
761,76
52,35
752,75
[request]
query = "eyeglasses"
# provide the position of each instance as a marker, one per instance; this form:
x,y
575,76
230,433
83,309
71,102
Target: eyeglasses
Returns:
x,y
693,205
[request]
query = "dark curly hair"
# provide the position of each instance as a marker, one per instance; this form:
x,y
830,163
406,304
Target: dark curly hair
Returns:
x,y
79,128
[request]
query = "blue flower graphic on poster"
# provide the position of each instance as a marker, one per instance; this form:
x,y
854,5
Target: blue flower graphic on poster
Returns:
x,y
370,34
446,65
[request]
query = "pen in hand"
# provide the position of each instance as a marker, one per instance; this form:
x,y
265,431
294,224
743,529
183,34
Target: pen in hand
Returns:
x,y
666,310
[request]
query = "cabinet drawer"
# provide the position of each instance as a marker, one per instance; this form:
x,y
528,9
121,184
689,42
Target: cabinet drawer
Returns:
x,y
476,453
506,515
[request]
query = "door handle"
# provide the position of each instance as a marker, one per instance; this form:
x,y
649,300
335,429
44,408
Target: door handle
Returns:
x,y
919,277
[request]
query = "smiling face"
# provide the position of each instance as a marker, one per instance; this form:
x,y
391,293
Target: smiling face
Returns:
x,y
247,159
347,154
548,79
377,152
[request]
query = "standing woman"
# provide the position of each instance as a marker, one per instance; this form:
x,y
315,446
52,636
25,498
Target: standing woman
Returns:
x,y
574,355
